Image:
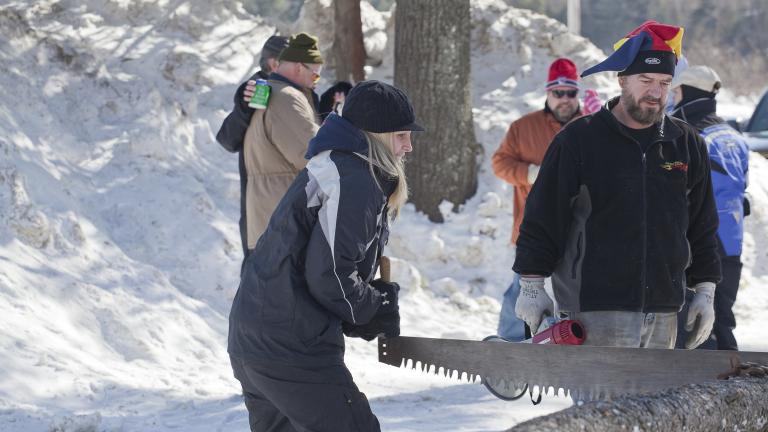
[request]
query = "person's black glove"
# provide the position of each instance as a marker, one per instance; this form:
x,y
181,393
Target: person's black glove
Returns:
x,y
386,321
389,295
382,324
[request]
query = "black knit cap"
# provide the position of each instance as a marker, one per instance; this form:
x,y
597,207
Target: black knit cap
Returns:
x,y
377,107
274,46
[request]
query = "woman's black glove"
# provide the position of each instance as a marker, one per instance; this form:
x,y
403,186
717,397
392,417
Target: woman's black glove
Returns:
x,y
386,321
387,325
389,291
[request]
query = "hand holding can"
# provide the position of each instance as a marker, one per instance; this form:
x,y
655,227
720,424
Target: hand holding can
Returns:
x,y
249,88
260,96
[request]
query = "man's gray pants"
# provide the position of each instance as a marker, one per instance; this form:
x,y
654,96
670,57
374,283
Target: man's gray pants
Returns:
x,y
628,329
282,398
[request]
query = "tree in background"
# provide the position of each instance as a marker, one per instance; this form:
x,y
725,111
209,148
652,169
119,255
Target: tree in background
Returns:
x,y
432,65
348,49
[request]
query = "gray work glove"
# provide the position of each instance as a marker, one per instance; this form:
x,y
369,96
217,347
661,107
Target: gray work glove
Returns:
x,y
533,302
701,315
533,172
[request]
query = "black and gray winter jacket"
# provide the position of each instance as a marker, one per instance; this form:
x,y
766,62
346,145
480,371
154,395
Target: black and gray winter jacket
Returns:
x,y
310,270
618,228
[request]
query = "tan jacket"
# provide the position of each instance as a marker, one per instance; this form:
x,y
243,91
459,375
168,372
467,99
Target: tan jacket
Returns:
x,y
274,147
525,143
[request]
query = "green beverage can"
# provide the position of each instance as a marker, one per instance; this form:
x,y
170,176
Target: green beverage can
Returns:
x,y
260,95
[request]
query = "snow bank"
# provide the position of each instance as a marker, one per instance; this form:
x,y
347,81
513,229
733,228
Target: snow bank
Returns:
x,y
119,257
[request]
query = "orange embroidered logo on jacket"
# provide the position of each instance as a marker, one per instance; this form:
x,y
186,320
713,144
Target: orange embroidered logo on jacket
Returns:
x,y
669,166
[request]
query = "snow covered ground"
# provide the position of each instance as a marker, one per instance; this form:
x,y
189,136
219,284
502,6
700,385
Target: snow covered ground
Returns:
x,y
119,248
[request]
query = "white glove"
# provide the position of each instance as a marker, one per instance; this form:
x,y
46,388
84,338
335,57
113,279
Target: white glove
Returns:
x,y
533,302
701,315
533,172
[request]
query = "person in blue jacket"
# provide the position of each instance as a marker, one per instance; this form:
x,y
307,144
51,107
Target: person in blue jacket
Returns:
x,y
694,94
309,279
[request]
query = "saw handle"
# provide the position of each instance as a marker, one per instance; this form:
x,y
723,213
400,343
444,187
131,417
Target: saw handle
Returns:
x,y
384,268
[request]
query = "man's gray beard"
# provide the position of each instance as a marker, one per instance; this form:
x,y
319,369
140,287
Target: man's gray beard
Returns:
x,y
639,114
566,118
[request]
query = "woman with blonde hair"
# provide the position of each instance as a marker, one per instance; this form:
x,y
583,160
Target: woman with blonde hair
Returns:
x,y
310,278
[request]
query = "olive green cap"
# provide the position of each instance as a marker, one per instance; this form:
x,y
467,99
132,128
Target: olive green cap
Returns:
x,y
302,48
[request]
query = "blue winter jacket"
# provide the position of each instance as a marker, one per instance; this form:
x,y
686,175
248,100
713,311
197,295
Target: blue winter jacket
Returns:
x,y
311,269
729,158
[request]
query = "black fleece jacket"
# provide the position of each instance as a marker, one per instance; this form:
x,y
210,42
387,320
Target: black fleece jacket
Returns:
x,y
619,228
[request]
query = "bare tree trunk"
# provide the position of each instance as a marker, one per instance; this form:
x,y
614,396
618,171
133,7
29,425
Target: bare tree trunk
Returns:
x,y
739,404
432,65
348,48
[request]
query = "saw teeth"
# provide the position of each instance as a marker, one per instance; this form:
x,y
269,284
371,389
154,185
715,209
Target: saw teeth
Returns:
x,y
537,382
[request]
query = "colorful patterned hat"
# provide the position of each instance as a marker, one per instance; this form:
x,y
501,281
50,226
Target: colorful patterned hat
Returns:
x,y
650,48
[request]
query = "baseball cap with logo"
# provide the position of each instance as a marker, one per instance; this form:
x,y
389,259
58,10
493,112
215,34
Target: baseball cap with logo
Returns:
x,y
701,77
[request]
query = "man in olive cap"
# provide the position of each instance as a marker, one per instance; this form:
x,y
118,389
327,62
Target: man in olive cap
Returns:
x,y
232,131
276,138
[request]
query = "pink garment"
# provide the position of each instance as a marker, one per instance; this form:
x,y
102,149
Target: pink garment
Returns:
x,y
591,102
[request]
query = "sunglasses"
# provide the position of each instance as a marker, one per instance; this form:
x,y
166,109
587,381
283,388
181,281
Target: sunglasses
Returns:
x,y
563,93
315,75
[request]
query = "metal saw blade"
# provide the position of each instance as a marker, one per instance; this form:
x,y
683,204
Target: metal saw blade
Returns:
x,y
583,372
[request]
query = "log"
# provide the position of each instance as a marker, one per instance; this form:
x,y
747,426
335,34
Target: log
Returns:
x,y
738,404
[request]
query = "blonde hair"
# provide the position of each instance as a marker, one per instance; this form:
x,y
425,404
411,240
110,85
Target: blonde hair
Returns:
x,y
381,153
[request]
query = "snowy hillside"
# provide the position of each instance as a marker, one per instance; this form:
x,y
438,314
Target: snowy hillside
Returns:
x,y
119,247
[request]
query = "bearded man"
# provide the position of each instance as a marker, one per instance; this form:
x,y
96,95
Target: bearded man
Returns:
x,y
622,215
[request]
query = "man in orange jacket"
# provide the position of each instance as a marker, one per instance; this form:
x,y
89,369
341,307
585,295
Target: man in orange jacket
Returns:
x,y
517,162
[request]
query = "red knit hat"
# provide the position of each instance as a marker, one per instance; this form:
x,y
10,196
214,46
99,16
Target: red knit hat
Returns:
x,y
562,73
